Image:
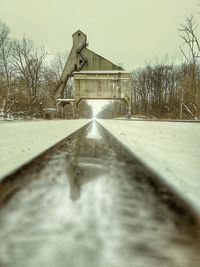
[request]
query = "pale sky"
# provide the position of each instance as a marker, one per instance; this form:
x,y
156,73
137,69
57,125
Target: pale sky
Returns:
x,y
131,32
97,105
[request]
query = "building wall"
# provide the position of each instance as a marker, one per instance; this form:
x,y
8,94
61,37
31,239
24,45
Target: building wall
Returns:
x,y
102,86
82,58
97,62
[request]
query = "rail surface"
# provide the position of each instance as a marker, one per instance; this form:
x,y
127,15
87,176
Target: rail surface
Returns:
x,y
88,201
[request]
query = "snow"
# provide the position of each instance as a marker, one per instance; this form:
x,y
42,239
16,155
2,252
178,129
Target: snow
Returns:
x,y
21,141
172,149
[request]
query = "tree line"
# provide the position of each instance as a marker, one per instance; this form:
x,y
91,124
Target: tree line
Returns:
x,y
28,77
164,90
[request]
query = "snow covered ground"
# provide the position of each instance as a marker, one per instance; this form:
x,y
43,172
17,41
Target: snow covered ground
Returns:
x,y
172,149
21,141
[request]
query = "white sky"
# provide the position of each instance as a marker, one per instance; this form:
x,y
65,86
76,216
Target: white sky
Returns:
x,y
129,31
97,105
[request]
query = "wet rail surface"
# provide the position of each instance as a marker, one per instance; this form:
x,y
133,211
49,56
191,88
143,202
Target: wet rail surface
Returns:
x,y
88,202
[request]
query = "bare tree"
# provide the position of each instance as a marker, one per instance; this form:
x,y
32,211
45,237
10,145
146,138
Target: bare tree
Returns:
x,y
153,88
113,109
28,63
58,64
190,91
6,70
188,34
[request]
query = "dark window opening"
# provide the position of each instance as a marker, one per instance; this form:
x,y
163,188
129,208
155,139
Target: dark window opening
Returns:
x,y
80,61
79,34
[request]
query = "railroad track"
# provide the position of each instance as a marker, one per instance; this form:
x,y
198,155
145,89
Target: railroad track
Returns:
x,y
88,202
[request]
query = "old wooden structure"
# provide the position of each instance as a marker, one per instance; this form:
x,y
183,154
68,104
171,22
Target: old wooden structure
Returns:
x,y
90,76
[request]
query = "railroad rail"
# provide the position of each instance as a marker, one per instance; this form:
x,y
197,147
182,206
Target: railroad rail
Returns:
x,y
88,201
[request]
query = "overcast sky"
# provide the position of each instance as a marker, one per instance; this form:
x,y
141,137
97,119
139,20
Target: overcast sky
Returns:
x,y
131,32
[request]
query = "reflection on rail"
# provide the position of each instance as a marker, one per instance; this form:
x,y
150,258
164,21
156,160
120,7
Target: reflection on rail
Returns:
x,y
88,202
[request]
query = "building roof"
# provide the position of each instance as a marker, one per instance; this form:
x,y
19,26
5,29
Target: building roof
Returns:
x,y
79,31
101,72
